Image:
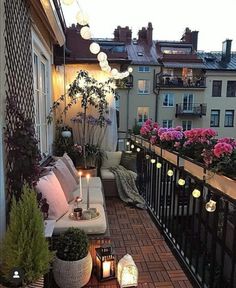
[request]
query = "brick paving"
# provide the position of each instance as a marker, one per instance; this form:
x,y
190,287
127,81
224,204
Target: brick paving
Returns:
x,y
133,231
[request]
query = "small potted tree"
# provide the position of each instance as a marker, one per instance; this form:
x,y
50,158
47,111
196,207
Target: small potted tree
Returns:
x,y
72,266
25,245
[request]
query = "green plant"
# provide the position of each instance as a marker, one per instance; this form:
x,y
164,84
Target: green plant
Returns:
x,y
24,244
136,128
72,245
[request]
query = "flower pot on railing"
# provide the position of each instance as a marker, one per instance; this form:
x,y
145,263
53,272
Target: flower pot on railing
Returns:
x,y
146,144
193,168
158,150
169,156
225,184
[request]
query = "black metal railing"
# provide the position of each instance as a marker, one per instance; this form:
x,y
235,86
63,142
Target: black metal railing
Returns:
x,y
190,109
205,242
177,81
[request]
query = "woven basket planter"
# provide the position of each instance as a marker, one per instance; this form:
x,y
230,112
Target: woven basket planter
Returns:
x,y
37,284
72,274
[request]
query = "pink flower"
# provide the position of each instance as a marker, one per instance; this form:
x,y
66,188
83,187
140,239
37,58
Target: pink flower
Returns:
x,y
153,139
222,149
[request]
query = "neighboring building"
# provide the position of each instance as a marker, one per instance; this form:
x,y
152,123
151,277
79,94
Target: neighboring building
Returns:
x,y
29,29
220,92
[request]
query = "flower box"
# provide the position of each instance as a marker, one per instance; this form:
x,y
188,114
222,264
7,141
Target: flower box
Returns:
x,y
222,183
146,144
169,156
194,168
158,150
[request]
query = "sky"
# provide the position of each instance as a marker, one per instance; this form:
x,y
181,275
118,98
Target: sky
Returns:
x,y
214,19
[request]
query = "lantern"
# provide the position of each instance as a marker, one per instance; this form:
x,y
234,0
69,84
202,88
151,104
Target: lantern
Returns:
x,y
94,48
105,263
127,272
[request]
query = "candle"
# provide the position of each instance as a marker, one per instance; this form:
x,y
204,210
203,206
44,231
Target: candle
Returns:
x,y
87,177
106,268
80,185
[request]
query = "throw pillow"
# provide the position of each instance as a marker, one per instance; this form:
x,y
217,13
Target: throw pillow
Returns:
x,y
128,160
51,189
65,178
111,159
70,165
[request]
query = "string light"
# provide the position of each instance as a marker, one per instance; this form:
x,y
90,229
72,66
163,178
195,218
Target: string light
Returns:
x,y
132,146
158,165
153,161
211,206
82,18
127,143
68,2
85,33
196,193
181,182
147,157
138,149
170,172
94,48
130,69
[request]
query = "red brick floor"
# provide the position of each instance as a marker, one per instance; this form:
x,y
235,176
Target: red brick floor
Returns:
x,y
133,232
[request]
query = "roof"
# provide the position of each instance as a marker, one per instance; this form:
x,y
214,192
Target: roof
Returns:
x,y
142,54
212,61
183,65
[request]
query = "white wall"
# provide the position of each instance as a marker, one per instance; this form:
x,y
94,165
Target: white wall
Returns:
x,y
2,113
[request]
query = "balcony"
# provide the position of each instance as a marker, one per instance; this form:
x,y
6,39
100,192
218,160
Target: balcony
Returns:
x,y
194,109
125,83
179,82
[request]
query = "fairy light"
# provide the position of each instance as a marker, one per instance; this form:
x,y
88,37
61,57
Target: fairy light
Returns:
x,y
158,165
170,172
196,193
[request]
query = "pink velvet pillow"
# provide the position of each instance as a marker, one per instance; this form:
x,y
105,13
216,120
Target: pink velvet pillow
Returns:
x,y
70,165
65,178
51,189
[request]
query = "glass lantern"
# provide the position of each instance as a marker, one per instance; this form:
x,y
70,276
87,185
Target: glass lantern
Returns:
x,y
127,272
105,263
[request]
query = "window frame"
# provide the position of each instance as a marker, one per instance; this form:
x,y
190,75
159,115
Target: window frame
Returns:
x,y
187,124
143,120
228,88
217,110
144,70
168,102
168,122
229,110
40,48
213,82
144,91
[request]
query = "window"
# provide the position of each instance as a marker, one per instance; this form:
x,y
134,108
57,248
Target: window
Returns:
x,y
167,123
42,96
168,100
215,118
231,89
143,69
187,124
216,88
229,118
143,86
188,102
142,114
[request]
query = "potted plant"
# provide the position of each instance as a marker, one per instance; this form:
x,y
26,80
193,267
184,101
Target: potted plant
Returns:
x,y
25,245
72,266
66,131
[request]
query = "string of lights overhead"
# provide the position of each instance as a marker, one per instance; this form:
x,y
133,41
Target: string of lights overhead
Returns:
x,y
85,32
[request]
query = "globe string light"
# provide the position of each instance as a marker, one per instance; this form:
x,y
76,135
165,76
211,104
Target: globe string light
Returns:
x,y
85,32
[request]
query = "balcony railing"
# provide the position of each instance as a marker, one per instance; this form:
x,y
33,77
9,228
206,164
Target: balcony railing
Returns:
x,y
203,239
191,109
125,83
176,81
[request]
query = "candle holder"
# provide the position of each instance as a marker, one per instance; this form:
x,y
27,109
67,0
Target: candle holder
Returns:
x,y
105,263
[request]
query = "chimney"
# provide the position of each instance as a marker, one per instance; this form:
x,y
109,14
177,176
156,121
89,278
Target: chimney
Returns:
x,y
149,34
123,34
226,51
190,37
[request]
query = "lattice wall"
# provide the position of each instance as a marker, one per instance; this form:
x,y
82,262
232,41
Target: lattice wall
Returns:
x,y
19,74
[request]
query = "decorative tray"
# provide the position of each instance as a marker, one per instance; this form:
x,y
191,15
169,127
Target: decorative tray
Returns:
x,y
72,217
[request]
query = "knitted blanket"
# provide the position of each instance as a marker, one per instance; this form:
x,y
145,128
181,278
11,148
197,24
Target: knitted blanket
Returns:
x,y
126,186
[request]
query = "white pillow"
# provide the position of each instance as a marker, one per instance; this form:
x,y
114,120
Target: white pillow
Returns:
x,y
65,178
111,159
51,189
70,165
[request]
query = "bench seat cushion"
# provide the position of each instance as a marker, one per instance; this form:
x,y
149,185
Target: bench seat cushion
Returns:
x,y
94,226
106,174
96,195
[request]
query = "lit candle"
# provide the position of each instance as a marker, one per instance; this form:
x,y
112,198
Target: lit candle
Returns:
x,y
80,185
87,177
106,268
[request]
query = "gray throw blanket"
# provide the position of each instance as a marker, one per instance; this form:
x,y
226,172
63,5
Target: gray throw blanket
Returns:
x,y
128,192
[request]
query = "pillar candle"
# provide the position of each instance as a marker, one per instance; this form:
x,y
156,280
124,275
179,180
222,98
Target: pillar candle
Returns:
x,y
80,185
87,177
106,268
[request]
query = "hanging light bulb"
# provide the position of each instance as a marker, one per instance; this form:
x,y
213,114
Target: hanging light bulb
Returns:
x,y
94,48
158,165
107,69
130,69
67,2
138,149
125,74
85,33
153,161
102,56
181,182
211,206
170,172
114,72
147,157
132,146
196,193
82,18
103,63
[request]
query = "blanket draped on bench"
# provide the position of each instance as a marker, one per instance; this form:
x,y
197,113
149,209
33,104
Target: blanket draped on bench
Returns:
x,y
126,186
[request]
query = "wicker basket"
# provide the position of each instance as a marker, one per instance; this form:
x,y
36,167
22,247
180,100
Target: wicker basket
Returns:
x,y
72,274
38,284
